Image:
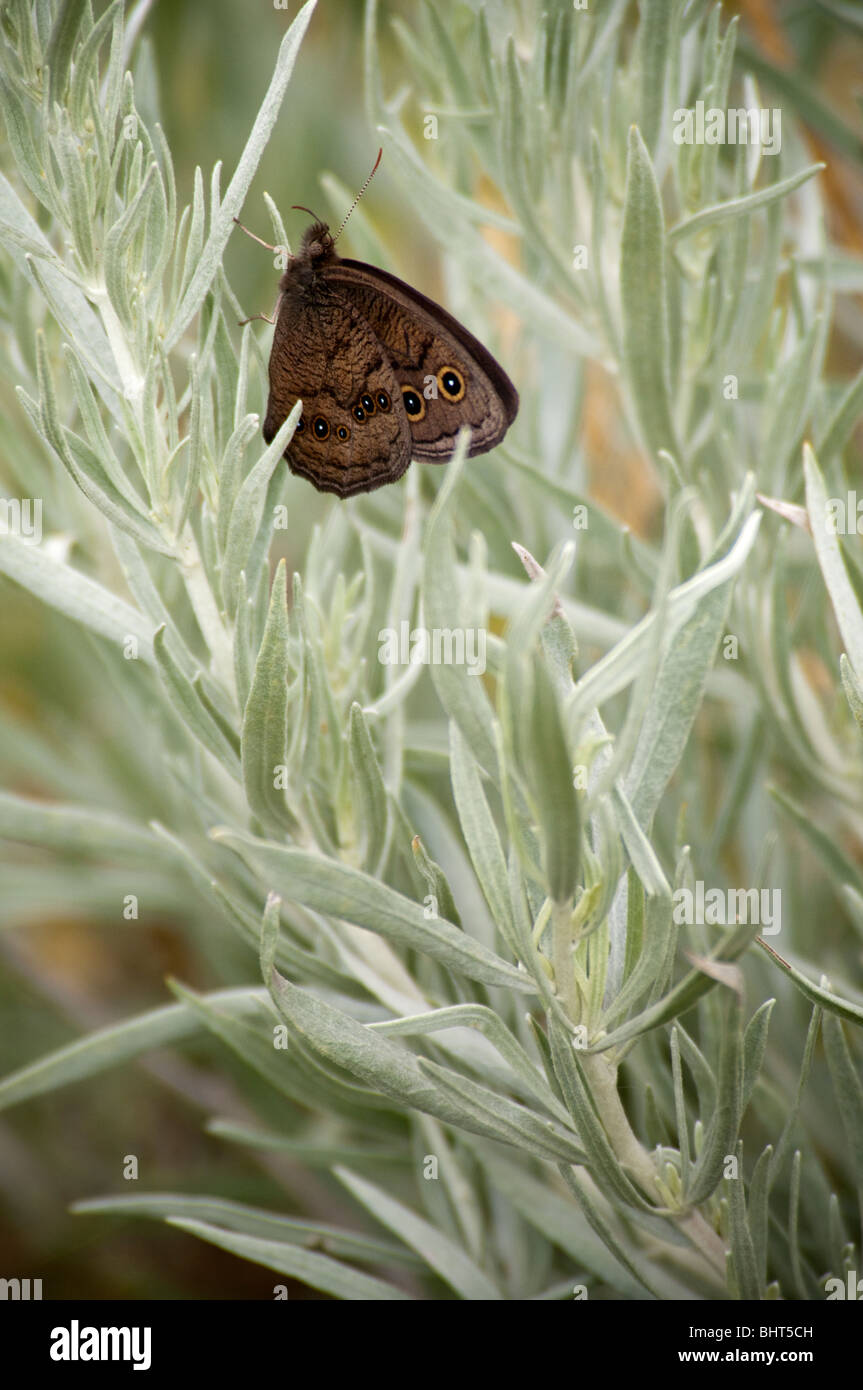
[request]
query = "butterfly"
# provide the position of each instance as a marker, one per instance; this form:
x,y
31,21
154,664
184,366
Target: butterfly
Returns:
x,y
385,374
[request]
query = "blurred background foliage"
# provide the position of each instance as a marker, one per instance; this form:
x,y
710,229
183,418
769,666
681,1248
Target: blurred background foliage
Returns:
x,y
68,969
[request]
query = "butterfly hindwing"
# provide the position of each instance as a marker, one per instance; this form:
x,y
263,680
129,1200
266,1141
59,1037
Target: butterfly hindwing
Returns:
x,y
326,354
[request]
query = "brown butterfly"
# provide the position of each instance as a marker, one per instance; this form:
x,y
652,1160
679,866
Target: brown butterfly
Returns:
x,y
385,374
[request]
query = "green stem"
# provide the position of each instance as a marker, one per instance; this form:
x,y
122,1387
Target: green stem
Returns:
x,y
602,1077
562,942
206,612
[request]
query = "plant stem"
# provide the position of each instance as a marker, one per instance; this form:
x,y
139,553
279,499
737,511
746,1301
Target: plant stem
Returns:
x,y
206,612
561,948
602,1076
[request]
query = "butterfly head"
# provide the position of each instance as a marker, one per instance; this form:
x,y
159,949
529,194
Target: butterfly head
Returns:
x,y
317,243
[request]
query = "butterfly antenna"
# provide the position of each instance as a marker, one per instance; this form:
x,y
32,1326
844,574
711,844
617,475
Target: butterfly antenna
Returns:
x,y
357,198
298,207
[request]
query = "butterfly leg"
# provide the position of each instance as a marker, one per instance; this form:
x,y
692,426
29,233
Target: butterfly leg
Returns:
x,y
258,239
268,318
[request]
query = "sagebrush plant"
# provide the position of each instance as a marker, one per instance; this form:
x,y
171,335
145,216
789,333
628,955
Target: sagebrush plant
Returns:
x,y
481,1016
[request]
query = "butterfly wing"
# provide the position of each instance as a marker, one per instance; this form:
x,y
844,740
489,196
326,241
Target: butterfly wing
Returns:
x,y
447,378
327,355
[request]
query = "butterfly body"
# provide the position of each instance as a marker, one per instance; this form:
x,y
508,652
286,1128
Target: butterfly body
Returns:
x,y
385,374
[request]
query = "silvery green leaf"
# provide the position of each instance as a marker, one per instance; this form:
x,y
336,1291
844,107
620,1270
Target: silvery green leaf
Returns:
x,y
64,34
441,835
333,888
845,1075
739,207
308,1266
75,829
85,467
441,1254
195,450
74,594
841,424
320,753
620,666
818,994
231,471
644,299
517,139
827,547
460,693
646,968
252,1221
254,1041
480,833
243,642
603,527
269,935
722,1130
499,1118
653,38
789,403
719,58
22,238
852,688
507,594
77,201
652,1280
194,238
371,807
555,797
759,1213
397,1073
84,890
85,68
754,1048
484,1019
265,716
674,702
683,995
190,706
95,428
117,1043
149,600
232,903
841,867
222,225
565,1223
745,1262
117,245
436,881
20,138
638,847
79,322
